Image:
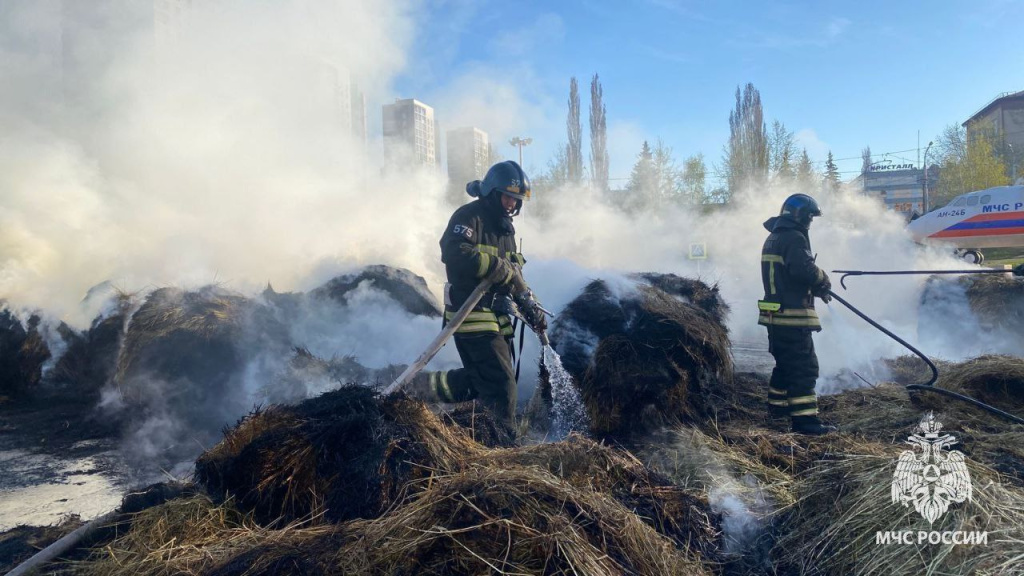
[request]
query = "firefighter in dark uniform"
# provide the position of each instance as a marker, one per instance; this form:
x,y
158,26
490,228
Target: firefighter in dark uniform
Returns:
x,y
479,243
791,282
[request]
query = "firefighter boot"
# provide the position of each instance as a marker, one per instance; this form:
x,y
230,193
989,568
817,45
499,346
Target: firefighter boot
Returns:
x,y
775,411
811,426
423,387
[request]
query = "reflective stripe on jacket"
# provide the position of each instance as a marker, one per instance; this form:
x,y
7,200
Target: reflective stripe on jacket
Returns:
x,y
788,273
476,237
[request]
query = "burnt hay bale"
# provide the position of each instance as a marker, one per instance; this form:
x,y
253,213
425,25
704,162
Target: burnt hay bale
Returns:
x,y
23,351
184,352
407,289
347,453
477,421
90,360
646,357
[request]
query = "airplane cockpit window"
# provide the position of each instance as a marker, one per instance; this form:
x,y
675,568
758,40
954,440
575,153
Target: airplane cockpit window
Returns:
x,y
960,202
986,198
972,201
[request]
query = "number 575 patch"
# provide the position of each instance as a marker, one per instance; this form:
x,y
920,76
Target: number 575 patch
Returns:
x,y
461,230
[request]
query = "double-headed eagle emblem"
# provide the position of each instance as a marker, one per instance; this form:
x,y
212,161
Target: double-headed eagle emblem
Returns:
x,y
932,479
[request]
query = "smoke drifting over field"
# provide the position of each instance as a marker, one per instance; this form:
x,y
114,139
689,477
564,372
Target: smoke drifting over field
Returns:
x,y
215,156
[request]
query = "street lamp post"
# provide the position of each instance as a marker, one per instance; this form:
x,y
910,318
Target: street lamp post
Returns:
x,y
925,199
519,143
1013,165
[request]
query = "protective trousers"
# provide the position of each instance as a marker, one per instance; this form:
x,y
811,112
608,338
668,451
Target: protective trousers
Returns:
x,y
796,371
487,374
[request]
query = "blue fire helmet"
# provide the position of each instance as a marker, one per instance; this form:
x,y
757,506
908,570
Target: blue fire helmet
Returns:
x,y
508,178
801,208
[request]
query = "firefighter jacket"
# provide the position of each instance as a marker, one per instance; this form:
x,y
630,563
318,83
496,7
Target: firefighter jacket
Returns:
x,y
477,236
789,275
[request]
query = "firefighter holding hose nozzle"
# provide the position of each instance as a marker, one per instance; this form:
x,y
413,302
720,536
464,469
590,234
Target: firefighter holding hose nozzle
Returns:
x,y
791,282
479,244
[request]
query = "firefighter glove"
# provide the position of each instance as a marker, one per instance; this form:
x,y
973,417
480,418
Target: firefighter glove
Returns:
x,y
502,273
532,311
822,288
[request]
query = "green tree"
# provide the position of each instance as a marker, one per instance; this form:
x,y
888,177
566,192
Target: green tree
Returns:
x,y
966,164
831,180
865,156
693,180
655,180
746,159
781,147
598,136
807,179
574,149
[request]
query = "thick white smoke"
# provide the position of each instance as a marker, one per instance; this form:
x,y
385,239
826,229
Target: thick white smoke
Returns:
x,y
217,155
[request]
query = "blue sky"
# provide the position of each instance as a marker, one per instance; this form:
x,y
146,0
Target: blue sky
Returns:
x,y
841,75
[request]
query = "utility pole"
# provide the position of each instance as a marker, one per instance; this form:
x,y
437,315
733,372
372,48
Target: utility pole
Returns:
x,y
1013,165
924,203
519,143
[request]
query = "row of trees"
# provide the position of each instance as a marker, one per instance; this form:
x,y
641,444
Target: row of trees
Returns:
x,y
754,157
566,167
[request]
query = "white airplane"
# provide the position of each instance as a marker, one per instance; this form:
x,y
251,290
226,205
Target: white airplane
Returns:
x,y
991,218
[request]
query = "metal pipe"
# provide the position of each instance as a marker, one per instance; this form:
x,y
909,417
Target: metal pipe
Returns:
x,y
1019,271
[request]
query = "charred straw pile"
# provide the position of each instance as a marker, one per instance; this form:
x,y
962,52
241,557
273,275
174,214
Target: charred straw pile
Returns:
x,y
23,351
350,483
655,353
345,454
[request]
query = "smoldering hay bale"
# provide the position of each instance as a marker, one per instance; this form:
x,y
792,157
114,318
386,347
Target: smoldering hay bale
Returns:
x,y
23,351
184,352
480,424
345,454
745,492
645,357
91,357
407,289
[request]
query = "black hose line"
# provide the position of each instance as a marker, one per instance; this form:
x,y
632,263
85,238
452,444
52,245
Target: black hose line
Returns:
x,y
929,386
845,273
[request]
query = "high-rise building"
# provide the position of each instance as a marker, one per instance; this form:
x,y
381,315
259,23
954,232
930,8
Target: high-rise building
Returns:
x,y
410,134
346,99
467,156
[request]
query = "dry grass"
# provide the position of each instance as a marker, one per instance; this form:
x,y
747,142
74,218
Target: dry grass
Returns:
x,y
842,503
196,537
512,521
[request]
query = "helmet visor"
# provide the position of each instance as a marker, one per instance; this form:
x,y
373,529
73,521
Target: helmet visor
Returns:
x,y
517,191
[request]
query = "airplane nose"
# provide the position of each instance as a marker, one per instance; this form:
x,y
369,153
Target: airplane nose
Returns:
x,y
916,230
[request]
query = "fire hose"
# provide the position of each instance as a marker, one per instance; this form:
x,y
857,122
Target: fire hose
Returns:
x,y
450,328
930,385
